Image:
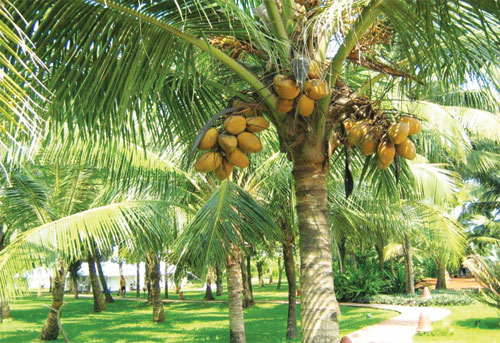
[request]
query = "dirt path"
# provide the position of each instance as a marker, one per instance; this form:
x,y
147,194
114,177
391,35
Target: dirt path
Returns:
x,y
400,329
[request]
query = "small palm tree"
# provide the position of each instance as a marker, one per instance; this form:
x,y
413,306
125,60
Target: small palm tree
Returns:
x,y
487,273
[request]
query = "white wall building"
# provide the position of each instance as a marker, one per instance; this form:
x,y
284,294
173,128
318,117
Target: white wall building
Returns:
x,y
41,277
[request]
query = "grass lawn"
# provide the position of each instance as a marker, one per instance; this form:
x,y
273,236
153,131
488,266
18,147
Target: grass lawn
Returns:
x,y
130,321
460,326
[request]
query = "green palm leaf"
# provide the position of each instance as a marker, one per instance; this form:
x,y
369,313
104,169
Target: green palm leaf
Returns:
x,y
135,224
230,219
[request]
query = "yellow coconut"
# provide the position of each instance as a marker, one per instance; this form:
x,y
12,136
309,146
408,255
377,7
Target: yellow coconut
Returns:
x,y
348,124
227,143
314,70
248,142
414,124
316,89
209,139
398,132
208,162
257,124
239,158
355,134
386,152
369,144
284,106
285,87
235,124
224,170
407,149
381,165
305,105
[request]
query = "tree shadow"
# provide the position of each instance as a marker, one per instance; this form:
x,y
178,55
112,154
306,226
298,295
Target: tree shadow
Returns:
x,y
489,323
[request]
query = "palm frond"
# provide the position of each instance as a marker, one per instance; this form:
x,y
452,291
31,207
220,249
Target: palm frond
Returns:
x,y
230,219
135,224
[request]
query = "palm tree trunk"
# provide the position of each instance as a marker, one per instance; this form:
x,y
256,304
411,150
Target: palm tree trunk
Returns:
x,y
247,294
249,275
154,279
6,313
280,272
104,284
50,329
259,272
408,255
178,275
319,305
380,253
441,277
218,281
166,280
75,286
120,272
208,291
138,281
235,288
288,260
342,251
270,275
147,279
99,300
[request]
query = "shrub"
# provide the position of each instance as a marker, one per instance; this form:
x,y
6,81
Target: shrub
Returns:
x,y
355,283
439,298
396,283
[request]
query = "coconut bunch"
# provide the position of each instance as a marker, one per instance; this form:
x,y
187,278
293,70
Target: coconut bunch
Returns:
x,y
229,144
290,96
374,136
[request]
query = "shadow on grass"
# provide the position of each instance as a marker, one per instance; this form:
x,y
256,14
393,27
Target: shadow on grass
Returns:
x,y
131,321
490,323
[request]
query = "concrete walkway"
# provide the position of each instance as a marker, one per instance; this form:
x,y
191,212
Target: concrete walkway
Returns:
x,y
400,329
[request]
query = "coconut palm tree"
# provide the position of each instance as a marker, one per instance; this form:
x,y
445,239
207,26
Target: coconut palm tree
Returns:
x,y
221,231
99,52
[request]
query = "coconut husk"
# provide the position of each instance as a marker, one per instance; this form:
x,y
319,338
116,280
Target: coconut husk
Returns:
x,y
257,124
248,142
209,139
369,144
381,165
348,124
208,162
414,123
314,70
355,134
239,158
407,149
316,89
398,132
386,152
285,87
235,124
224,170
227,143
284,106
305,105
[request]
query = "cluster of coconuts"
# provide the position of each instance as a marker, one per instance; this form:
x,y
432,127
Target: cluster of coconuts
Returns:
x,y
288,92
229,145
385,141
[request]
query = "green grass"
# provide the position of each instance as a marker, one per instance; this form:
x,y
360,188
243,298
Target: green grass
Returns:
x,y
460,326
130,321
